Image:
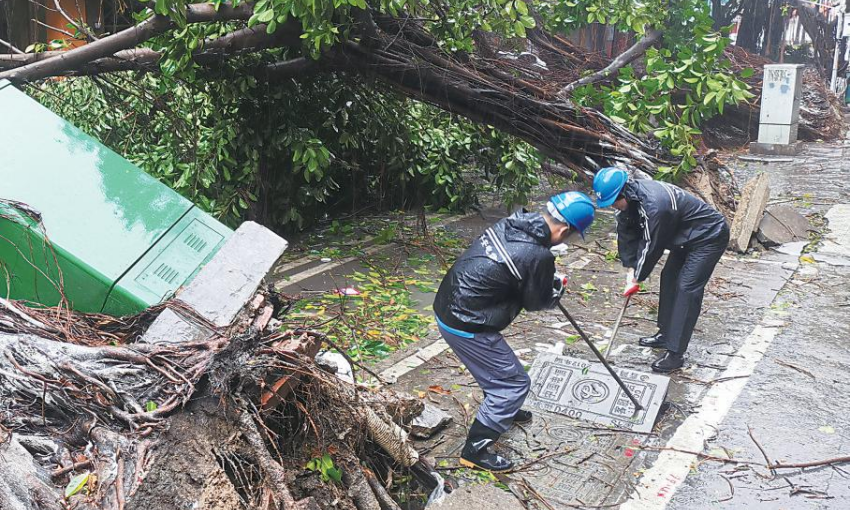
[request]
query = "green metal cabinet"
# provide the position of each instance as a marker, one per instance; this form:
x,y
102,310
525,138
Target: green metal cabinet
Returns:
x,y
114,239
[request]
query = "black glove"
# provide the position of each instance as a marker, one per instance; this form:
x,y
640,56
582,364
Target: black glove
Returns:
x,y
559,284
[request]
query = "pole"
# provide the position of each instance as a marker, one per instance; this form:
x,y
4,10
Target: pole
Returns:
x,y
838,36
600,357
617,327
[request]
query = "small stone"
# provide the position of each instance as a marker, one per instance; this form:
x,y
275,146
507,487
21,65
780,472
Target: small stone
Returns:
x,y
429,421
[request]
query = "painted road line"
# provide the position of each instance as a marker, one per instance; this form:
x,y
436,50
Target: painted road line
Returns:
x,y
328,266
659,483
414,360
322,268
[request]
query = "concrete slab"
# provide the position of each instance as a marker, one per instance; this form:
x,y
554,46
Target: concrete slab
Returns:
x,y
782,224
222,287
580,389
751,205
484,496
834,248
227,282
776,149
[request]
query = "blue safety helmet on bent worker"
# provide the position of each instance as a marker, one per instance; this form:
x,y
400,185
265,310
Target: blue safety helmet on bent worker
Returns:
x,y
608,184
574,208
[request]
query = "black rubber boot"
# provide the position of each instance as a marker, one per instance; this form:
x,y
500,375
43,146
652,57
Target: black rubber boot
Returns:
x,y
668,362
523,416
656,341
475,453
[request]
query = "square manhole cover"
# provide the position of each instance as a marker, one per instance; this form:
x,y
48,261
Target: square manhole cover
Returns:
x,y
584,390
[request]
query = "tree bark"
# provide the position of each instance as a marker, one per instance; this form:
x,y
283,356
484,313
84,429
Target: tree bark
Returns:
x,y
133,36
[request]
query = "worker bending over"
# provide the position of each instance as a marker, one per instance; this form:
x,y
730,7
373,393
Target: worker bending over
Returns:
x,y
653,216
508,268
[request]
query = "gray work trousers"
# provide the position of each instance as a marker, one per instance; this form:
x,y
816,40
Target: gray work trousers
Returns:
x,y
498,372
681,289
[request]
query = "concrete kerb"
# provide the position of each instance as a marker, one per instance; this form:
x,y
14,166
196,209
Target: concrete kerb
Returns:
x,y
328,266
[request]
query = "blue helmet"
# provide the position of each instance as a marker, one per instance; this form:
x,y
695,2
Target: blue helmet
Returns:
x,y
608,184
573,208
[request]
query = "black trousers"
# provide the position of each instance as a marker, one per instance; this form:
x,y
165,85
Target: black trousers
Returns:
x,y
684,278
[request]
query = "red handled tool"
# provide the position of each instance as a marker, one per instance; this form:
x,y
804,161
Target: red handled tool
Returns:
x,y
627,294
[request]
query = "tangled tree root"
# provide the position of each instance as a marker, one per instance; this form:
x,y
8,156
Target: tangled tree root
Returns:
x,y
185,425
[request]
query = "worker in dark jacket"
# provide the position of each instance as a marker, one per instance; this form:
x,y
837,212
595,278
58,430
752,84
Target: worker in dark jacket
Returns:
x,y
654,216
507,269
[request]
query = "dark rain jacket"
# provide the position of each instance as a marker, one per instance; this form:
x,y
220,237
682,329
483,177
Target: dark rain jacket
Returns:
x,y
508,268
661,216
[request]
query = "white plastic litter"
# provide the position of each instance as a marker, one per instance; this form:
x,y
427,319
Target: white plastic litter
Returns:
x,y
335,360
438,495
559,249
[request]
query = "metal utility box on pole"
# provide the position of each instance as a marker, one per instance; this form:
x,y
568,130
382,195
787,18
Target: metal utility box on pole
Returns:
x,y
77,218
778,117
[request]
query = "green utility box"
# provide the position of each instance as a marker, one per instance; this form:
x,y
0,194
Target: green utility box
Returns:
x,y
78,217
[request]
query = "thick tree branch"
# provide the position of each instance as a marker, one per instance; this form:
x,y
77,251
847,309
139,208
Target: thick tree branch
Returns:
x,y
636,50
295,68
133,36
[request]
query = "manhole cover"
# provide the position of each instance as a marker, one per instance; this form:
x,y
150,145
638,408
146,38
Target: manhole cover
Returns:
x,y
580,389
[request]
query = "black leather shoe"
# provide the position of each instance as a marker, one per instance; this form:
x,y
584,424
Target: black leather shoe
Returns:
x,y
668,362
523,416
475,453
656,341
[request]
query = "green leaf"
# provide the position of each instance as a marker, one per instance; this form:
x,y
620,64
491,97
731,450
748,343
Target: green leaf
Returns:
x,y
150,406
265,16
747,72
571,339
76,484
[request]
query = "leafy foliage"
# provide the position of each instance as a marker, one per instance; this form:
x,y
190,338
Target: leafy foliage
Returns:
x,y
684,83
371,324
288,154
326,468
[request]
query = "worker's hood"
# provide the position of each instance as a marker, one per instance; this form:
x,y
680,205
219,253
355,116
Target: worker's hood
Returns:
x,y
528,227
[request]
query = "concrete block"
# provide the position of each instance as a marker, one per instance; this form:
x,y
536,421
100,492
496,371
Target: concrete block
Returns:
x,y
231,278
483,496
429,421
751,206
783,134
776,149
782,224
223,286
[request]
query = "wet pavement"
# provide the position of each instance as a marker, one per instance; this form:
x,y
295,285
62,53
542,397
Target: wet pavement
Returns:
x,y
768,366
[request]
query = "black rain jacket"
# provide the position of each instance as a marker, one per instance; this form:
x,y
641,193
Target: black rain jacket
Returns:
x,y
662,216
508,268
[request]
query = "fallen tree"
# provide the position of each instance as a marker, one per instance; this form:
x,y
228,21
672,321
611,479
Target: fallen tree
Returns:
x,y
397,50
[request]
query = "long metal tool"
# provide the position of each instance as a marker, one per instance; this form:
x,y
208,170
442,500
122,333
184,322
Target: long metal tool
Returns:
x,y
617,326
600,357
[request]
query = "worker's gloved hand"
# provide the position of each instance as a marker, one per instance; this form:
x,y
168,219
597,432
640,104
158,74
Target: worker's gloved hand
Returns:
x,y
559,284
631,283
